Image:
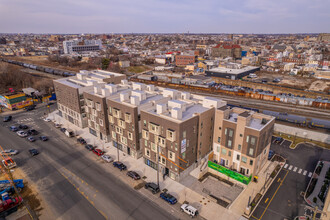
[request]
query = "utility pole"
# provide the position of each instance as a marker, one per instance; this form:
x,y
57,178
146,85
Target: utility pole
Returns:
x,y
157,166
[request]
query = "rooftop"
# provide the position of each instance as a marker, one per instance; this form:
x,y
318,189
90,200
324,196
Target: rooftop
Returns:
x,y
232,71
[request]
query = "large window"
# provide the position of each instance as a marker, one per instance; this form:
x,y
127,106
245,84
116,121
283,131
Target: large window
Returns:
x,y
229,135
171,155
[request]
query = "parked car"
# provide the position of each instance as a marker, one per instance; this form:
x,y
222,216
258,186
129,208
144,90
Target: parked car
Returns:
x,y
63,130
31,139
13,128
278,140
168,198
81,140
190,210
89,147
47,119
107,158
23,127
57,125
33,152
119,165
270,154
9,152
43,138
98,152
153,187
69,133
32,132
22,133
30,108
7,118
134,175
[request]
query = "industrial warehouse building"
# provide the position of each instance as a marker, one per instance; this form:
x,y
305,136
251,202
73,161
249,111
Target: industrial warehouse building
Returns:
x,y
231,73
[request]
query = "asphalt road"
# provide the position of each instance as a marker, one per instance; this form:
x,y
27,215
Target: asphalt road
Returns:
x,y
284,198
73,185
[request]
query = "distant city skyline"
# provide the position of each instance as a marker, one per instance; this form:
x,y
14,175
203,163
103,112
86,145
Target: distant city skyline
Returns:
x,y
158,16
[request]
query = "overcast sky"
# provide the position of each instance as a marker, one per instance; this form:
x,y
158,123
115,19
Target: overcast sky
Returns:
x,y
164,16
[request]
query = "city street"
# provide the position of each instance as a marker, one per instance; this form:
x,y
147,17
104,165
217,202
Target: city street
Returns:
x,y
284,199
73,185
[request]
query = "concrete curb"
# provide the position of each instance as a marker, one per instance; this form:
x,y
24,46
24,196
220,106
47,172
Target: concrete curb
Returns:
x,y
266,189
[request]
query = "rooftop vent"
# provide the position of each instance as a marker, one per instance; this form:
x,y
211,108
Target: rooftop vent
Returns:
x,y
264,121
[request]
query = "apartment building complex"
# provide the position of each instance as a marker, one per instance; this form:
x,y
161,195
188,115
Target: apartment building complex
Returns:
x,y
183,60
178,130
69,93
227,50
241,139
80,45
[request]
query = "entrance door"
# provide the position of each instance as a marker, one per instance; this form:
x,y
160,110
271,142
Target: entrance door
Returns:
x,y
101,137
242,171
166,171
128,151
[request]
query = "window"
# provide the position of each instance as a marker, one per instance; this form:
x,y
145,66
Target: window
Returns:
x,y
237,157
247,171
223,151
161,141
229,143
147,152
202,125
89,123
110,110
265,150
145,134
163,160
171,155
244,159
253,140
130,135
170,135
128,118
251,162
146,143
218,149
251,150
113,135
219,139
241,135
123,140
116,113
144,123
153,128
101,122
239,147
231,132
121,123
153,147
219,128
184,155
229,153
184,133
111,119
97,127
98,106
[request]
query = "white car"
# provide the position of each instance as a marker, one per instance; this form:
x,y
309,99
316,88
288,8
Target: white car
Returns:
x,y
9,152
22,133
107,158
190,210
47,119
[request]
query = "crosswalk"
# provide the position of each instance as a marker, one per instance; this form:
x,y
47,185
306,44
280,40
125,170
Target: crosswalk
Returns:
x,y
298,170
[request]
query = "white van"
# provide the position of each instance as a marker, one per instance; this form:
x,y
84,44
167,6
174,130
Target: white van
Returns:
x,y
189,210
69,133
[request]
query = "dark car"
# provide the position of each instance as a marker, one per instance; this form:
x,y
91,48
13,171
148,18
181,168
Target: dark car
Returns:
x,y
119,165
30,108
43,138
7,118
33,152
23,127
168,198
81,140
270,154
63,130
153,187
89,147
32,132
134,175
13,128
278,140
31,139
98,152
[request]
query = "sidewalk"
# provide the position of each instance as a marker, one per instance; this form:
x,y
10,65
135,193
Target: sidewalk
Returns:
x,y
208,209
241,202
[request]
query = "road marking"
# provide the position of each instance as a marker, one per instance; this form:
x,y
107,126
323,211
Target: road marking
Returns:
x,y
274,195
286,165
279,179
299,171
290,167
295,169
266,200
305,172
310,174
254,217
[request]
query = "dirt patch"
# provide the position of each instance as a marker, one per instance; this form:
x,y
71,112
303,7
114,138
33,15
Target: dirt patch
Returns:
x,y
215,176
319,85
139,186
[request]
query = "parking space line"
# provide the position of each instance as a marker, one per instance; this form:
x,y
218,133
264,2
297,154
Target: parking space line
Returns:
x,y
254,217
295,169
290,167
274,195
299,171
305,172
286,165
310,174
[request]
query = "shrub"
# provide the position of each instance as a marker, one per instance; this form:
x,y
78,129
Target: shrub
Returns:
x,y
314,199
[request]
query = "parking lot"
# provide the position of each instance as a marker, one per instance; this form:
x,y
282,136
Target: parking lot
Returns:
x,y
284,199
